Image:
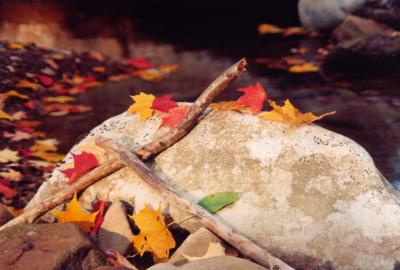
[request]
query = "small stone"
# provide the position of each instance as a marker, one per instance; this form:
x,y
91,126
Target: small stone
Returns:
x,y
115,232
163,266
5,215
221,263
195,245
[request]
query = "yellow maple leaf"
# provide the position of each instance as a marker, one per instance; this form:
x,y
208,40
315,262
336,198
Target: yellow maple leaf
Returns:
x,y
27,84
7,155
44,149
15,46
290,115
11,174
13,93
99,69
60,99
14,211
266,28
304,68
142,106
154,235
166,69
75,214
151,74
3,114
214,249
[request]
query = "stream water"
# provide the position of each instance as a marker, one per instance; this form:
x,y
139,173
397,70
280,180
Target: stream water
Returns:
x,y
204,40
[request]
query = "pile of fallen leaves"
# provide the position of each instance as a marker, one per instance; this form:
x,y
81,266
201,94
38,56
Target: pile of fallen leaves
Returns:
x,y
301,60
153,236
38,83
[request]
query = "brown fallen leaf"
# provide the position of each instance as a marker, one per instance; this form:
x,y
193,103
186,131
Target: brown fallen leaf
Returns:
x,y
8,155
17,136
11,175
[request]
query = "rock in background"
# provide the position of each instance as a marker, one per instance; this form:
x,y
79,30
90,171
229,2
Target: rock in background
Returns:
x,y
312,197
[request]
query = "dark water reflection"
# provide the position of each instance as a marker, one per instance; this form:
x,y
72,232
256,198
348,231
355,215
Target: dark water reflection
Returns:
x,y
204,40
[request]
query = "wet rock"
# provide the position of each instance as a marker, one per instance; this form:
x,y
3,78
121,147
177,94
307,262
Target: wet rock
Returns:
x,y
356,27
220,263
310,196
375,54
47,247
326,15
5,215
115,232
195,245
363,46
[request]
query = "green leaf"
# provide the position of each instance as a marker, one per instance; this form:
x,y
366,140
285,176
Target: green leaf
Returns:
x,y
215,202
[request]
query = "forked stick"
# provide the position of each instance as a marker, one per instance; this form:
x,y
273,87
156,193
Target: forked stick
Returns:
x,y
145,152
181,200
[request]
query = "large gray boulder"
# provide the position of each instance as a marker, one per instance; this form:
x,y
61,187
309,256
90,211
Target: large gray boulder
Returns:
x,y
310,196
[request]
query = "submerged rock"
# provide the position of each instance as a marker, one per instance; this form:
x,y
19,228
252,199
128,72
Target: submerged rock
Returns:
x,y
47,247
310,196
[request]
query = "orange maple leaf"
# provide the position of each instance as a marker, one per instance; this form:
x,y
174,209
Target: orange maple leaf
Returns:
x,y
75,214
228,106
304,68
154,235
254,97
174,116
290,115
27,84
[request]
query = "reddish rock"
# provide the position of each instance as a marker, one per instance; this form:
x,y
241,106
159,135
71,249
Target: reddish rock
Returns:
x,y
60,246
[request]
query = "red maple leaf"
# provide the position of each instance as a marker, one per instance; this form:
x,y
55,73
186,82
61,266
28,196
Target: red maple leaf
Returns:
x,y
140,63
7,191
101,207
83,163
254,97
163,103
174,116
46,80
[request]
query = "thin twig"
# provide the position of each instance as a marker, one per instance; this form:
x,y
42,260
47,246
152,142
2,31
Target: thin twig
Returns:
x,y
180,199
155,147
